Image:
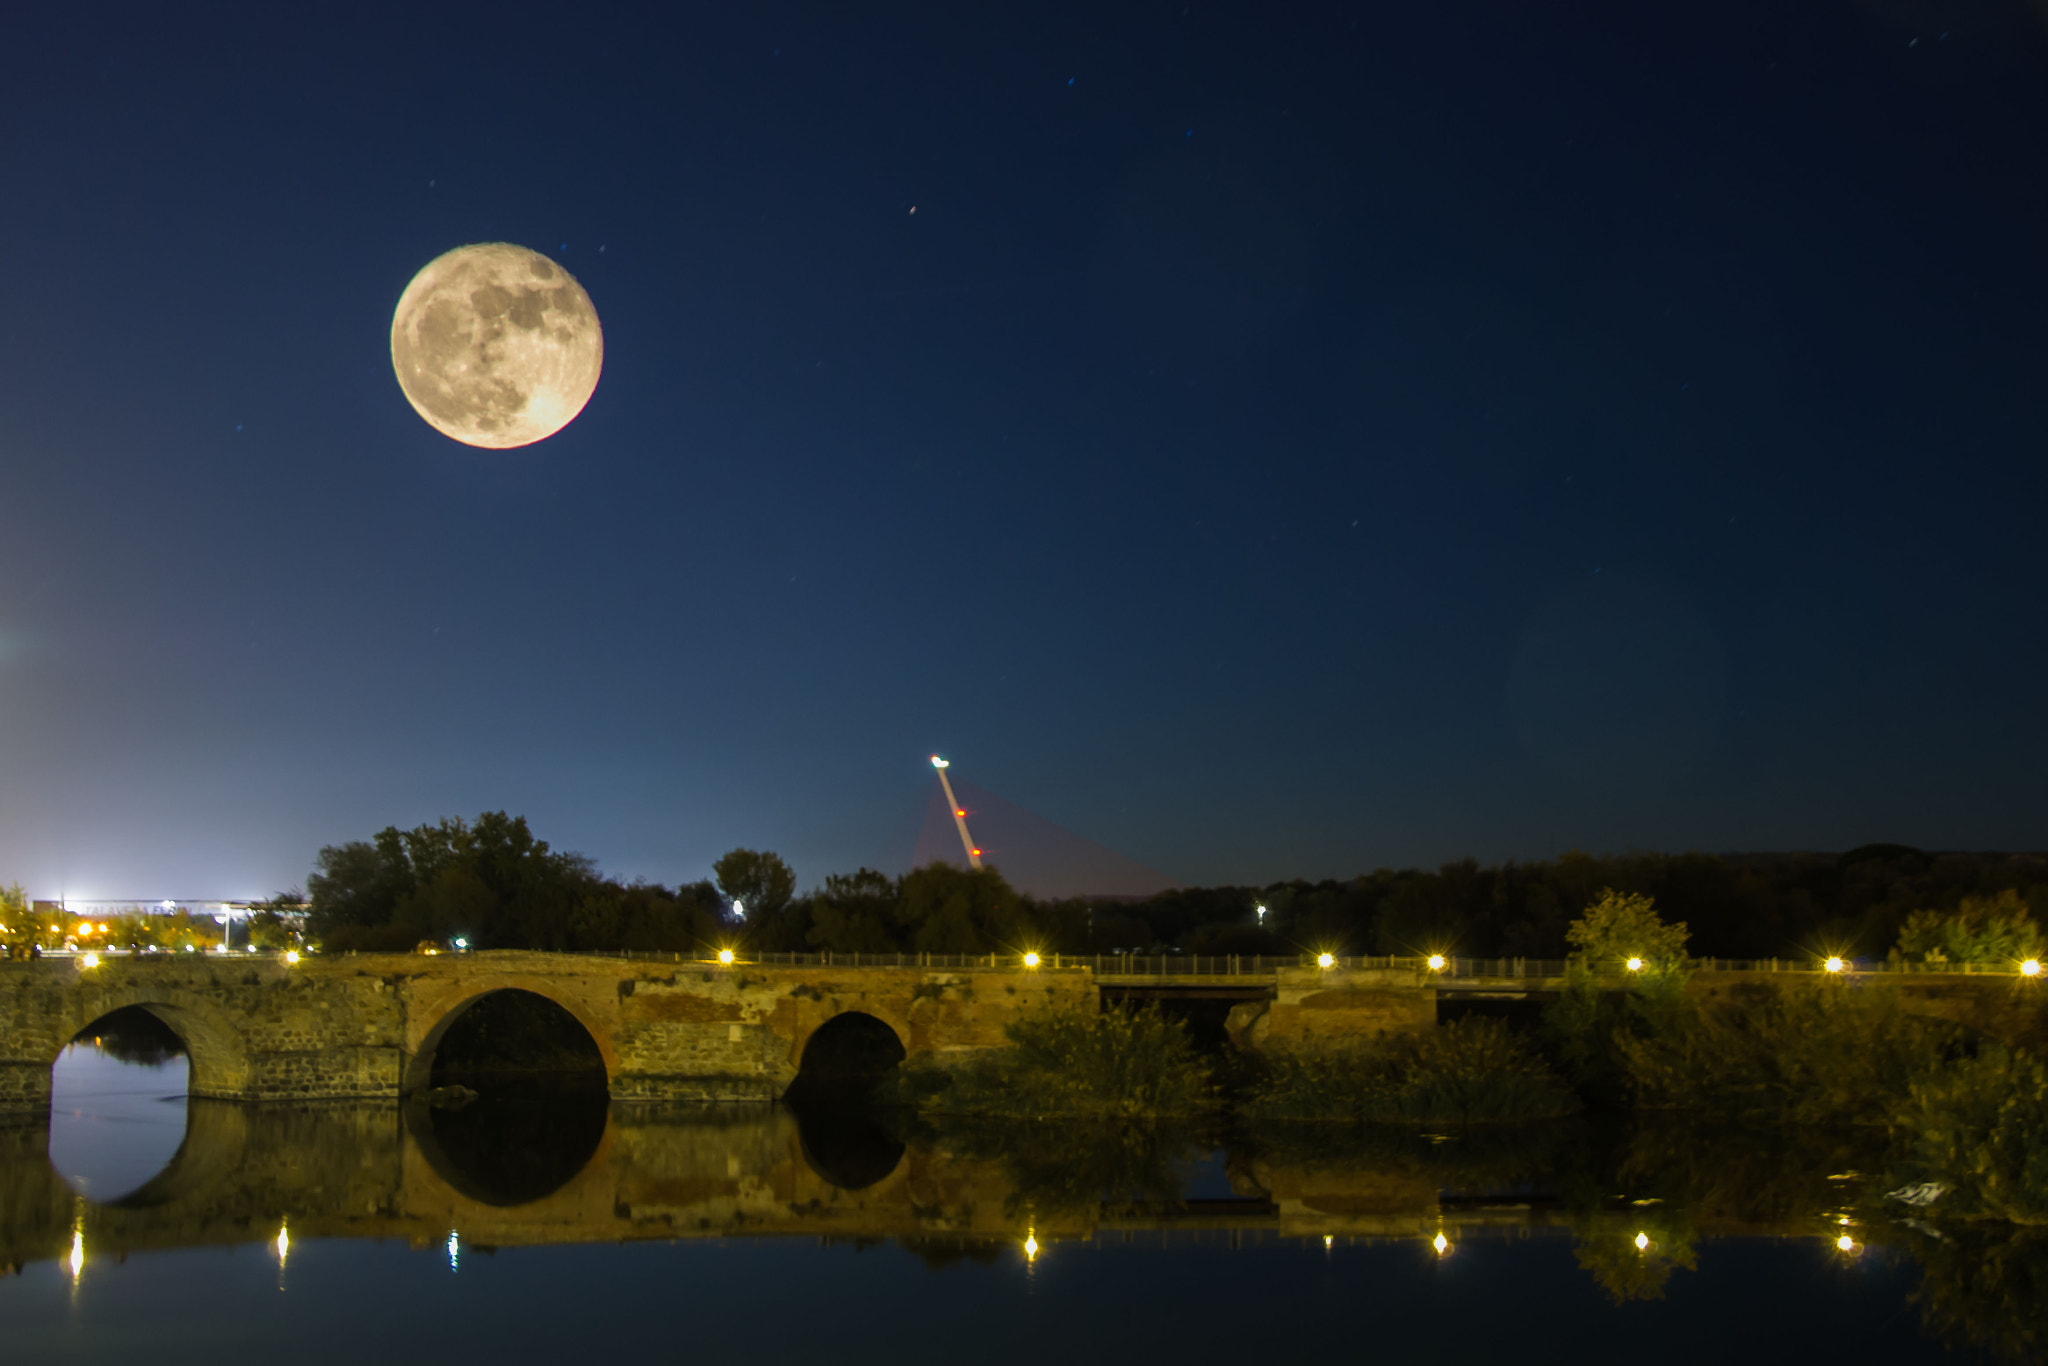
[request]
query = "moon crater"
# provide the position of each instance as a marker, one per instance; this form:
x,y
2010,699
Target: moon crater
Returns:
x,y
496,346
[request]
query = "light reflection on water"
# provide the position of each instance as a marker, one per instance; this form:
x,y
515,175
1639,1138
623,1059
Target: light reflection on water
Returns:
x,y
714,1232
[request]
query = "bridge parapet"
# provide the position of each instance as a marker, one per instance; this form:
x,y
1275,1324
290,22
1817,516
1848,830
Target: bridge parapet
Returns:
x,y
366,1027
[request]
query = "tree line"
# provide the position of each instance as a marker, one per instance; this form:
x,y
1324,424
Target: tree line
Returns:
x,y
493,884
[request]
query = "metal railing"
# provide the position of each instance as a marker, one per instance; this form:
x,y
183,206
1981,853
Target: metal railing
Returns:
x,y
1169,966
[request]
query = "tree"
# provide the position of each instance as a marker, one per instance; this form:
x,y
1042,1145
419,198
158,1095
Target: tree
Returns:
x,y
1620,926
760,881
944,909
1995,930
490,882
855,913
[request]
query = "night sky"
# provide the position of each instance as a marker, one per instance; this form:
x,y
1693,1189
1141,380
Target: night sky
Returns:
x,y
1283,441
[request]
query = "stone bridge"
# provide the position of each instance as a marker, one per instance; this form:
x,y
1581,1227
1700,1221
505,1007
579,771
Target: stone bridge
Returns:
x,y
366,1027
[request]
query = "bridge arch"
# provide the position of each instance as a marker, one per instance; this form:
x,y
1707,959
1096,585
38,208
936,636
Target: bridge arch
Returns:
x,y
853,1045
421,1056
215,1051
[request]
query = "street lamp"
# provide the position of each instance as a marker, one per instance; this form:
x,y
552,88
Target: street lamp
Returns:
x,y
959,813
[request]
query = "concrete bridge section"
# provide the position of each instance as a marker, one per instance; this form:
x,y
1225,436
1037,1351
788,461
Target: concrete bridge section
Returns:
x,y
367,1027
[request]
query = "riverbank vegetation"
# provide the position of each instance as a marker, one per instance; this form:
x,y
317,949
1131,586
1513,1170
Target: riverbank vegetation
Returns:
x,y
1112,1064
1475,1071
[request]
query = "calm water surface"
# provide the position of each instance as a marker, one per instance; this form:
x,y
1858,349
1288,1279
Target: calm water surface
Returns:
x,y
543,1231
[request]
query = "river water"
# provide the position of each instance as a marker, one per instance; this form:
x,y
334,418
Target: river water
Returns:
x,y
548,1228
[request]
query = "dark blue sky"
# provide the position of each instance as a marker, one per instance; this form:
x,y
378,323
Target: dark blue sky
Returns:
x,y
1284,441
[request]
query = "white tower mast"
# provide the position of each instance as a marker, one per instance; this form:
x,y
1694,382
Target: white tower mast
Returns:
x,y
959,814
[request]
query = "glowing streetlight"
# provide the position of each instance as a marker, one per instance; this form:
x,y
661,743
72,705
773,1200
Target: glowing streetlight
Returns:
x,y
291,955
1259,913
2031,968
90,960
1441,1244
77,1254
1326,960
1642,1242
725,957
1634,965
454,1251
284,1243
959,812
1030,960
1437,962
1845,1243
1834,964
1031,1245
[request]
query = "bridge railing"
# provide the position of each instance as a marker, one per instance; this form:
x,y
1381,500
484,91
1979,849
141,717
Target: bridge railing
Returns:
x,y
1176,965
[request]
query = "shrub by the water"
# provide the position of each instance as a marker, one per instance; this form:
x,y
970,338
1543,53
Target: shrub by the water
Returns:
x,y
1114,1063
1825,1053
1472,1072
1980,1126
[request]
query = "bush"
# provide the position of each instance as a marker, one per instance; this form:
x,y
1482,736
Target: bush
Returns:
x,y
1109,1064
1471,1072
1981,1127
1827,1053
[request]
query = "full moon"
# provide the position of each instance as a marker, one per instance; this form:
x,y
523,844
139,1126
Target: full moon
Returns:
x,y
496,346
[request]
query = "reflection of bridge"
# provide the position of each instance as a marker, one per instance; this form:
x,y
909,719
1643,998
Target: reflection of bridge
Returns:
x,y
368,1027
245,1173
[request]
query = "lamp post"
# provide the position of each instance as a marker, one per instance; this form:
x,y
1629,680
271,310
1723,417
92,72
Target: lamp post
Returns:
x,y
959,815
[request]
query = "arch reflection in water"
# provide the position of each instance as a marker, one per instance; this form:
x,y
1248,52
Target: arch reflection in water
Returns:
x,y
843,1061
117,1104
518,1105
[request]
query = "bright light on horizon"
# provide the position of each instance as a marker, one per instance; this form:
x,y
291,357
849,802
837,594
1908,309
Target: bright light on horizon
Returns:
x,y
937,762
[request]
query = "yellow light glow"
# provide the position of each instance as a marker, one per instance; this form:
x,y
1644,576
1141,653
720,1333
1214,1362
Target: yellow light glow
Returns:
x,y
1031,1247
1437,962
1642,1242
284,1243
1635,965
1834,965
90,960
2031,968
1326,960
1328,1242
77,1254
1030,960
1846,1243
1441,1244
725,955
291,955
